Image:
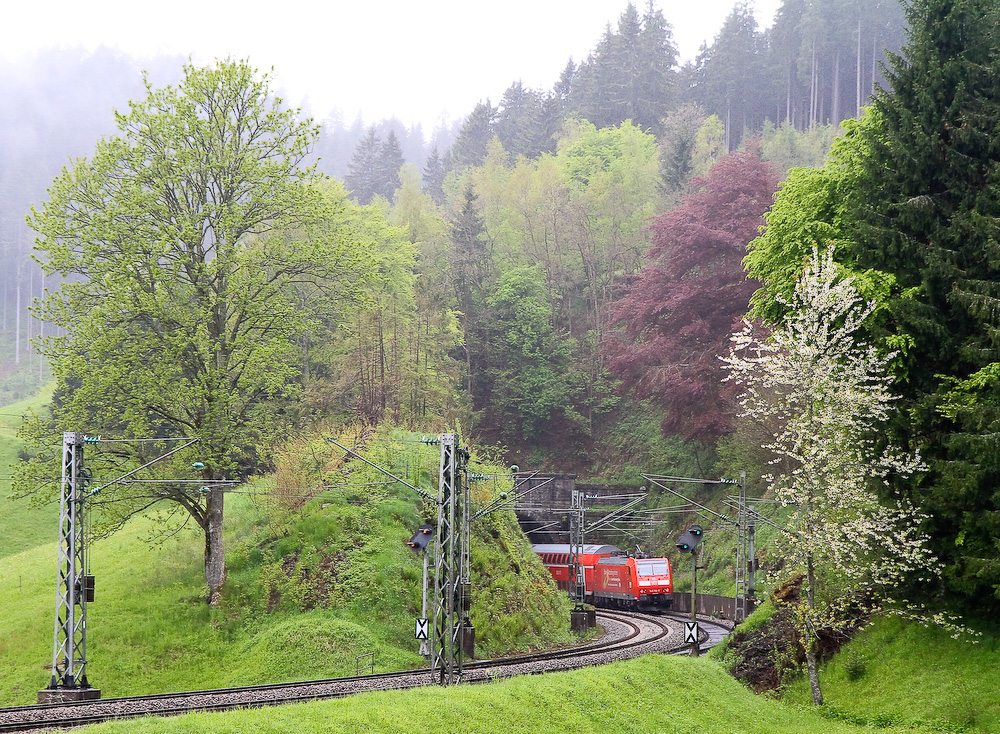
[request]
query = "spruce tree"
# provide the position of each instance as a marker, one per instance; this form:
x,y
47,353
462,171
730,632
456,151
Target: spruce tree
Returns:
x,y
929,215
387,164
362,171
433,175
474,137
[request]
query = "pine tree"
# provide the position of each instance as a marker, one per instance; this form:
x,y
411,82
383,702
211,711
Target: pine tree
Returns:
x,y
518,120
629,76
472,269
730,73
930,216
474,137
656,76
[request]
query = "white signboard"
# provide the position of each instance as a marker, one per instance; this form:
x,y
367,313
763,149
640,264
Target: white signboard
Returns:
x,y
691,632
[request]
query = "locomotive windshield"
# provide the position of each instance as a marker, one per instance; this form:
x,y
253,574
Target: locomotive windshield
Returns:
x,y
652,567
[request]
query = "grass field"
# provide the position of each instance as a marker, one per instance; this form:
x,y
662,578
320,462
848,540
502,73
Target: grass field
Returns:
x,y
22,526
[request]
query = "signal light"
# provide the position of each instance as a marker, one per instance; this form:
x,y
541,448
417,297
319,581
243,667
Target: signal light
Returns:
x,y
687,542
421,538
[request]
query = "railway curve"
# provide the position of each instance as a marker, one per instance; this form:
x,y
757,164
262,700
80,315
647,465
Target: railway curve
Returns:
x,y
626,635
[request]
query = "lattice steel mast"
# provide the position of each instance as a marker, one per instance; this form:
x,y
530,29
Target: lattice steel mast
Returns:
x,y
74,584
450,563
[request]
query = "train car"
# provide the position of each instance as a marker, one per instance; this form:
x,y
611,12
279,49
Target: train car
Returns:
x,y
611,577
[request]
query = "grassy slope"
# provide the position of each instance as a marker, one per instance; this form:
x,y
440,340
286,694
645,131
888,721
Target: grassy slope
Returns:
x,y
21,526
309,589
896,672
653,694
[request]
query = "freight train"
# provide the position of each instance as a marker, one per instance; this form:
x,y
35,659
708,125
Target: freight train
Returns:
x,y
612,578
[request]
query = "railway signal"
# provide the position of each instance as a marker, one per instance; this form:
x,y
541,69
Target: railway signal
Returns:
x,y
688,543
690,539
421,538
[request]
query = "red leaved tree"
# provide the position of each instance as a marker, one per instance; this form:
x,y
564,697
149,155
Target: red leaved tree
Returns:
x,y
677,314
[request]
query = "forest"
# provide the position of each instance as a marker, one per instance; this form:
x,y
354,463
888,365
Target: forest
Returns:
x,y
59,104
561,272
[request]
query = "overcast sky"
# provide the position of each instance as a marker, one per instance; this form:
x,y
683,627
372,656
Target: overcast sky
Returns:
x,y
422,62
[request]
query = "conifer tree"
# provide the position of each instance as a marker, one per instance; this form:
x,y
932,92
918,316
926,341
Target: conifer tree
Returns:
x,y
930,216
387,164
433,175
474,137
630,74
363,171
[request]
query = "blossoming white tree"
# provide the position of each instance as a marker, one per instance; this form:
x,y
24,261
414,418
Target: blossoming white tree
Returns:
x,y
829,393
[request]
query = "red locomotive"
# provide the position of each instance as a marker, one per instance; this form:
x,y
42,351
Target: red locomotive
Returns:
x,y
611,577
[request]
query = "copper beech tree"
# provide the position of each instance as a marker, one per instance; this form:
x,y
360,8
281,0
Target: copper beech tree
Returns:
x,y
678,313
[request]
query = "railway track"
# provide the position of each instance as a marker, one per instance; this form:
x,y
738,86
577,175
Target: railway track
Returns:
x,y
626,635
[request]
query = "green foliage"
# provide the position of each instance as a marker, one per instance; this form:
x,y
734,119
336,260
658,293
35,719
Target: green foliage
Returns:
x,y
530,381
814,209
195,250
345,551
709,146
677,144
580,215
630,75
925,211
630,442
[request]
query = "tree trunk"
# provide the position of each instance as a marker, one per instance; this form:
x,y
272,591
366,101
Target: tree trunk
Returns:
x,y
810,643
813,669
835,118
215,561
857,74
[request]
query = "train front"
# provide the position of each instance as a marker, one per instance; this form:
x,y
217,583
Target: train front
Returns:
x,y
655,583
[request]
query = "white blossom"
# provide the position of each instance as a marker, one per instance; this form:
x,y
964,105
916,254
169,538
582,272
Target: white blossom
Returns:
x,y
830,394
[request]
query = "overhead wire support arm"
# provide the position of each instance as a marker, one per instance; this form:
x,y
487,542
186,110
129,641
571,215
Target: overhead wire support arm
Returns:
x,y
658,481
615,514
422,493
509,502
123,477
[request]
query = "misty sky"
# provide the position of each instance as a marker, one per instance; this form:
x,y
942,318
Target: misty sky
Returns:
x,y
421,62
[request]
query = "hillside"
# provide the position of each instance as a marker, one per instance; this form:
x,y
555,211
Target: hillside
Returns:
x,y
315,578
299,602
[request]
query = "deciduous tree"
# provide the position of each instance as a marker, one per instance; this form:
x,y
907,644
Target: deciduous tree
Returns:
x,y
677,315
185,243
831,394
